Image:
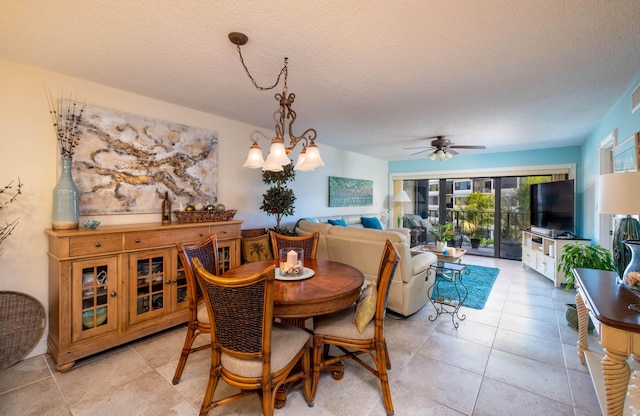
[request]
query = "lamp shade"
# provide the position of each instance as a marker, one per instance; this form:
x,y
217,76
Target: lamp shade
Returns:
x,y
618,193
254,159
401,196
312,159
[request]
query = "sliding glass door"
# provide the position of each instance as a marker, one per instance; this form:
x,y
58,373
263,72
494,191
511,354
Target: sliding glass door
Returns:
x,y
489,213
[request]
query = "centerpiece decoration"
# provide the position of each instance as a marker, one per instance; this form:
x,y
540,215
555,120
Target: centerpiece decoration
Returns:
x,y
66,117
291,261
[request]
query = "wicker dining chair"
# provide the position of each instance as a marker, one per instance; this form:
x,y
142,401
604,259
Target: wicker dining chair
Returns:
x,y
308,242
338,329
207,252
248,350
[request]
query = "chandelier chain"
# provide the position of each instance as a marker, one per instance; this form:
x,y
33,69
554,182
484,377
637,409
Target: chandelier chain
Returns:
x,y
284,71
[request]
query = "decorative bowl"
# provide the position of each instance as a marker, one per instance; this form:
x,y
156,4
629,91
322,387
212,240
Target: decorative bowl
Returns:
x,y
87,317
91,224
632,282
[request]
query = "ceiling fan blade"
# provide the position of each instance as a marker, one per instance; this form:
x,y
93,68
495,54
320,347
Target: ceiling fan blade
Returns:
x,y
466,147
421,151
453,152
413,148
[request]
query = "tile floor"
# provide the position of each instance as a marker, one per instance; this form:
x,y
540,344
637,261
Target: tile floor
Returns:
x,y
515,357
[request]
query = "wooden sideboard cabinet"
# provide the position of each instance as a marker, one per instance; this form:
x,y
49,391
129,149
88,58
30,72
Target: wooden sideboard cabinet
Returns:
x,y
115,284
542,254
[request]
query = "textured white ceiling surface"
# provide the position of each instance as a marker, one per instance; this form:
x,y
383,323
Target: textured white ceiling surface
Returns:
x,y
372,77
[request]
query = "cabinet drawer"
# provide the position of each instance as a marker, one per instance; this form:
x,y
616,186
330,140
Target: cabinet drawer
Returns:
x,y
225,231
94,244
150,239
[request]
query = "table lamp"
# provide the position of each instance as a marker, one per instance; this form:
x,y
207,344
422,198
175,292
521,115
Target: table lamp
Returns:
x,y
402,197
619,194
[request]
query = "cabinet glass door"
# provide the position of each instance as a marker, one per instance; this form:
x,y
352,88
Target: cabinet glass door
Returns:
x,y
149,277
226,254
180,285
94,294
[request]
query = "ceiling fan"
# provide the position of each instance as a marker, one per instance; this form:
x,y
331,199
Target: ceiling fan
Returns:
x,y
441,148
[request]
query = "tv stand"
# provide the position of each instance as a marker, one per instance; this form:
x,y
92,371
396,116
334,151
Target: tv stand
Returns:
x,y
542,253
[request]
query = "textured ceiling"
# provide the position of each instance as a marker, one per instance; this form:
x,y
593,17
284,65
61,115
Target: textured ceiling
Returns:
x,y
369,76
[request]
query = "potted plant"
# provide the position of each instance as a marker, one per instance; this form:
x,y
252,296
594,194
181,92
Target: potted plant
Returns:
x,y
444,234
476,238
582,256
279,200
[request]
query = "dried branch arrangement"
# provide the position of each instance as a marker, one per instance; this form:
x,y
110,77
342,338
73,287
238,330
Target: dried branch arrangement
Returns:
x,y
8,195
66,121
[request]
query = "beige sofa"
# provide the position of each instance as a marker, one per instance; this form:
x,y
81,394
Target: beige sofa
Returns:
x,y
362,248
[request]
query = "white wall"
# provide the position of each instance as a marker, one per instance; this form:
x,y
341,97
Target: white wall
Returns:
x,y
28,149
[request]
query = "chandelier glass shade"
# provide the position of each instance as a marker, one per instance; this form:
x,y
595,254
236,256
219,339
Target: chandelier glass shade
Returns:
x,y
309,158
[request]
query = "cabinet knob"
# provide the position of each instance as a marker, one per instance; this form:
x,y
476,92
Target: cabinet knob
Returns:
x,y
113,294
175,280
201,234
137,240
168,281
98,245
225,232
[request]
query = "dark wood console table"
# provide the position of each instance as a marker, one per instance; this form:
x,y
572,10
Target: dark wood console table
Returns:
x,y
601,297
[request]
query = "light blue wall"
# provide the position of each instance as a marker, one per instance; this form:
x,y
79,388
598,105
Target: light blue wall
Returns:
x,y
493,161
620,117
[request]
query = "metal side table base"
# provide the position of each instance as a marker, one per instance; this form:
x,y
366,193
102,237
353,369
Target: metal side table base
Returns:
x,y
450,272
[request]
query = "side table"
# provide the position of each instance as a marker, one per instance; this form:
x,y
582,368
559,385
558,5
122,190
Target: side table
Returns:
x,y
451,272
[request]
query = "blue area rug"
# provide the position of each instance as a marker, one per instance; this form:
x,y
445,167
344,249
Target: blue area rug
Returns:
x,y
479,282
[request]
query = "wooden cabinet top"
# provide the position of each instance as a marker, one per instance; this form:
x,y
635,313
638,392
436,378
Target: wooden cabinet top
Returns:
x,y
120,228
111,239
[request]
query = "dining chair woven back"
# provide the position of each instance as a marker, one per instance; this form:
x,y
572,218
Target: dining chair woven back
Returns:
x,y
207,252
338,329
308,242
248,350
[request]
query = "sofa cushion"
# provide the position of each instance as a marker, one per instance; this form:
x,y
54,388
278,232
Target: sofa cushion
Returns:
x,y
340,223
257,248
371,222
426,224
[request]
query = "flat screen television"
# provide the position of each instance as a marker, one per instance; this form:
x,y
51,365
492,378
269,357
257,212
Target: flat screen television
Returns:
x,y
552,205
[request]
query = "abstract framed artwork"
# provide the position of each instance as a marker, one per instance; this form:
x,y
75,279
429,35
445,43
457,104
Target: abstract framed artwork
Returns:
x,y
346,192
626,154
125,163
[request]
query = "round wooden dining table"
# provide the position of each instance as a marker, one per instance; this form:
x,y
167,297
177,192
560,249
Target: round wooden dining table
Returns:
x,y
333,287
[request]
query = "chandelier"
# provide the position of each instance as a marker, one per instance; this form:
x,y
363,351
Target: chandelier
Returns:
x,y
284,116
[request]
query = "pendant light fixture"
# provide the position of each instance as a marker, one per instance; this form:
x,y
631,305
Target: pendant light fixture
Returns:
x,y
309,157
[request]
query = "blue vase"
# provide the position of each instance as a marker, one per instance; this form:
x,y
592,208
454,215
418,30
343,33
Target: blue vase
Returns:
x,y
65,199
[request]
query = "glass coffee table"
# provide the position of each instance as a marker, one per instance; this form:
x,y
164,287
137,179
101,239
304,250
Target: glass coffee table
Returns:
x,y
448,303
449,257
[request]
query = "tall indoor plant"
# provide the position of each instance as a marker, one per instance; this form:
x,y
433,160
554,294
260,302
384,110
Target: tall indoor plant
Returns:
x,y
279,199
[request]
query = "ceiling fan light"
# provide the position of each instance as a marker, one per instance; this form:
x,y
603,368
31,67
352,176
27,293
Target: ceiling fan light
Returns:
x,y
440,154
432,156
447,155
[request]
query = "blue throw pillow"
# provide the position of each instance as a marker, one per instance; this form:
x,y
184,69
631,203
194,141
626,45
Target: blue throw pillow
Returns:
x,y
340,223
371,222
